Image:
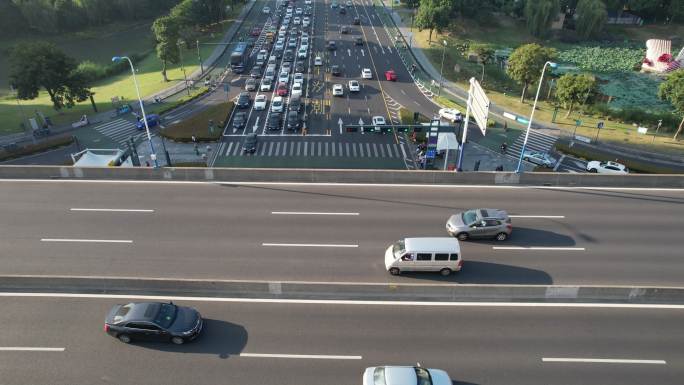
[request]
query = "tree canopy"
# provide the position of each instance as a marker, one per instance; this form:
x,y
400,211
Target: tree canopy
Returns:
x,y
40,65
540,14
573,89
591,17
526,62
165,31
672,90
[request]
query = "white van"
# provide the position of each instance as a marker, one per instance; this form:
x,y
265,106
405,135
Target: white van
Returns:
x,y
441,254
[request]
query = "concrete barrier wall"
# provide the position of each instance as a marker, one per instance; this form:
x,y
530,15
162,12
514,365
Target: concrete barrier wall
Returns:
x,y
325,291
341,176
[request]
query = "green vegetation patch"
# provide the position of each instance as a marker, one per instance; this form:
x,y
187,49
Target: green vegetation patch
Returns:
x,y
601,59
35,148
631,89
198,124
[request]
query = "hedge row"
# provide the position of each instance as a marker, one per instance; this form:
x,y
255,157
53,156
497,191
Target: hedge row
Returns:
x,y
634,164
31,148
198,124
185,99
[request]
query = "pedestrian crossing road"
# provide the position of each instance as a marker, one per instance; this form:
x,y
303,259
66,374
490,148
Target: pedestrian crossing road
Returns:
x,y
535,142
316,148
118,130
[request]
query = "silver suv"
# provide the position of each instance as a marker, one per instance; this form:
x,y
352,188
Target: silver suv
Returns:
x,y
480,223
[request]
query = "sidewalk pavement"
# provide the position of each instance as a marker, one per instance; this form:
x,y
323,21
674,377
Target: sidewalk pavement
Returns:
x,y
178,152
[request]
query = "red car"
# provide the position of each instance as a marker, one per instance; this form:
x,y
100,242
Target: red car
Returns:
x,y
256,31
282,89
391,75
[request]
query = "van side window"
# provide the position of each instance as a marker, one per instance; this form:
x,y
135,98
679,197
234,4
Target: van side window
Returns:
x,y
424,257
407,257
441,257
453,257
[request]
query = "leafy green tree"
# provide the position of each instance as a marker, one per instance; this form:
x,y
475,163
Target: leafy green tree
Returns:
x,y
676,11
591,17
412,4
526,62
484,55
432,15
672,90
573,89
165,31
540,14
12,22
39,65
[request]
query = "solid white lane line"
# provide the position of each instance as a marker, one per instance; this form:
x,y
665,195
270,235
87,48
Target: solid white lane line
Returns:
x,y
605,361
115,210
536,216
29,349
307,213
347,302
309,356
330,184
307,245
538,248
86,240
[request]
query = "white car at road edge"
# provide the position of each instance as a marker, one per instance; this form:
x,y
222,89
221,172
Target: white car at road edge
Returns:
x,y
366,73
354,86
616,168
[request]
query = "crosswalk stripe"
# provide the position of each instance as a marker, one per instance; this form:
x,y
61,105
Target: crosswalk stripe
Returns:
x,y
306,148
396,151
346,149
292,148
298,148
263,149
403,152
270,148
277,148
230,146
284,149
375,151
332,145
319,145
236,151
369,151
326,148
361,154
382,150
340,148
354,149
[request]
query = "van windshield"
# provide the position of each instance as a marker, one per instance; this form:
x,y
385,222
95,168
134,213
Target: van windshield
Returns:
x,y
399,249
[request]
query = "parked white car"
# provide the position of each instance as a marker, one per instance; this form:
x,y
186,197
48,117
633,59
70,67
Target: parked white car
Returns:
x,y
260,102
405,375
450,114
277,104
266,85
366,73
607,167
298,78
354,86
297,89
378,121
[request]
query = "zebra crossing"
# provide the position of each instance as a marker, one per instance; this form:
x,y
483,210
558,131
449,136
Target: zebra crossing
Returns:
x,y
118,130
535,142
320,149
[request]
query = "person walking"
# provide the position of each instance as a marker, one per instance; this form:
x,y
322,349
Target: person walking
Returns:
x,y
504,146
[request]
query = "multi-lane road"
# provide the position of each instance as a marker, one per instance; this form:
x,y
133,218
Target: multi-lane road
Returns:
x,y
321,344
335,233
323,141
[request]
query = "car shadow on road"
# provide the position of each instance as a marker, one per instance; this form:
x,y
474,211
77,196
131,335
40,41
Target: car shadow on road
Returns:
x,y
218,337
454,382
531,237
478,272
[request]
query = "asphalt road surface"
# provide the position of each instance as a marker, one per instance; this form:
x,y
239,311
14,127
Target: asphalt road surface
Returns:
x,y
335,233
332,344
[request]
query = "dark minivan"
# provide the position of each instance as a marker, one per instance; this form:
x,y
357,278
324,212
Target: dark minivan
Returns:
x,y
153,321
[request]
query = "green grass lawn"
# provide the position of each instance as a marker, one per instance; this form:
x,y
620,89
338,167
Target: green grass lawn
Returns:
x,y
506,93
148,76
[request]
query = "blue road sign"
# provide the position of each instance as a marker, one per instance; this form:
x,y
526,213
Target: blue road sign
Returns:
x,y
430,154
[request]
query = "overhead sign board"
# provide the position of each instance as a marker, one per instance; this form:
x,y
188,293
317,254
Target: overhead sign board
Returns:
x,y
479,105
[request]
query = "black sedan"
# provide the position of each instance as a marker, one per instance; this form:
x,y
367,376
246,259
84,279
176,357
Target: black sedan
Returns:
x,y
250,144
293,121
243,100
240,120
273,122
153,321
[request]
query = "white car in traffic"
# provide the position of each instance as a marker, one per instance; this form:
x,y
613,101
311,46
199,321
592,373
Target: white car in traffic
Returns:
x,y
283,78
296,89
277,104
338,90
450,114
318,61
266,10
366,73
302,53
354,86
266,85
298,78
405,375
378,121
607,167
260,102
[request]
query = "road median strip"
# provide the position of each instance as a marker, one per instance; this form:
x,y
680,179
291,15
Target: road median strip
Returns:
x,y
446,294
